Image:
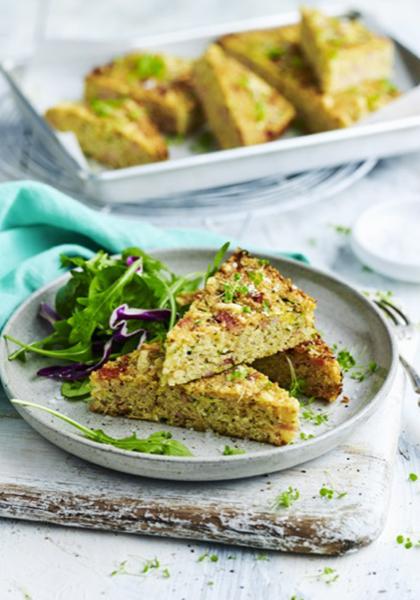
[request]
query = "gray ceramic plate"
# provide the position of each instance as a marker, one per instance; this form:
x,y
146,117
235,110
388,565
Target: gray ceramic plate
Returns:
x,y
344,317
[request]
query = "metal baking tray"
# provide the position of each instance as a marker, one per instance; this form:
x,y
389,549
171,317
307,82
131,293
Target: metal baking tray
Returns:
x,y
56,73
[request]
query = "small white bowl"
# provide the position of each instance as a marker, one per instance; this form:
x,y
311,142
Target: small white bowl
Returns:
x,y
386,238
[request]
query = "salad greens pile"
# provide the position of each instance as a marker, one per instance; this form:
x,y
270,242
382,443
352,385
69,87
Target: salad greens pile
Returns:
x,y
108,307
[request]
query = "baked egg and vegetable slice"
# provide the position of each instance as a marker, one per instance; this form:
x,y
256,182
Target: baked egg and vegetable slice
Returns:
x,y
159,82
241,108
246,310
116,133
342,52
239,402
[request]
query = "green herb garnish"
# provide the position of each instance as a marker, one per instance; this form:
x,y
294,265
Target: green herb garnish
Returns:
x,y
329,493
238,374
413,477
175,140
328,575
230,451
297,384
262,556
205,142
306,436
286,498
266,307
105,108
297,61
160,442
316,418
358,372
275,53
388,86
256,277
207,555
151,564
243,81
150,66
342,229
345,360
232,290
407,542
363,372
260,110
120,570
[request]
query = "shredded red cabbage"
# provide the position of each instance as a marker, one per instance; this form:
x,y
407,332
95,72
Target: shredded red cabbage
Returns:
x,y
47,313
124,313
77,371
130,260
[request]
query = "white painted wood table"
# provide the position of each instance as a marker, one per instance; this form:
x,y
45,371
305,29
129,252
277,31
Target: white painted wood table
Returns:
x,y
51,562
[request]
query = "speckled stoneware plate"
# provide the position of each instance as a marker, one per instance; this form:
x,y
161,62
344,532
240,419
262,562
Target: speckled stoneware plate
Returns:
x,y
344,317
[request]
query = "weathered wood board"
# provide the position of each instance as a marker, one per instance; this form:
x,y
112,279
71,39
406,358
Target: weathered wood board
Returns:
x,y
39,482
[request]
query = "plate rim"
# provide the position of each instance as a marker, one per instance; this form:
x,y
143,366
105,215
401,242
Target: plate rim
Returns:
x,y
344,428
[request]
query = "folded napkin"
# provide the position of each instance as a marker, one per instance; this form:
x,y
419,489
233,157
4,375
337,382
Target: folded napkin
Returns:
x,y
38,223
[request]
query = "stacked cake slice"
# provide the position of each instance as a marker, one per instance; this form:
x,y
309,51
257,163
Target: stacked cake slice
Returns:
x,y
333,71
226,364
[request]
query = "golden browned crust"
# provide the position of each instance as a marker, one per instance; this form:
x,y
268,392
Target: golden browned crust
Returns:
x,y
241,108
246,311
240,402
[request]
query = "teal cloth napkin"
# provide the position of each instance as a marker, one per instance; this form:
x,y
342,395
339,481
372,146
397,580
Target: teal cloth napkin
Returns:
x,y
38,223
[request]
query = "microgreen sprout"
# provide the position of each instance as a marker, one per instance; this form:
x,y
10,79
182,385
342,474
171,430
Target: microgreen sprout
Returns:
x,y
407,542
330,494
286,498
230,451
328,575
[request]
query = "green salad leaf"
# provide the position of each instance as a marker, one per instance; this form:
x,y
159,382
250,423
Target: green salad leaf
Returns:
x,y
160,442
75,390
99,285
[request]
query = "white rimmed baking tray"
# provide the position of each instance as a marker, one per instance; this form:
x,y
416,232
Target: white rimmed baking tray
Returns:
x,y
56,73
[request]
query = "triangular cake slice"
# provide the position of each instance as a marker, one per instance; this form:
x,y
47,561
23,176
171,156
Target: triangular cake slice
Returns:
x,y
117,133
240,402
241,108
343,52
246,311
311,364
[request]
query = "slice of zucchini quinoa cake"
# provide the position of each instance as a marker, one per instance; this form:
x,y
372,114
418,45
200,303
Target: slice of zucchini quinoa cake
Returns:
x,y
241,108
239,402
311,366
246,311
117,133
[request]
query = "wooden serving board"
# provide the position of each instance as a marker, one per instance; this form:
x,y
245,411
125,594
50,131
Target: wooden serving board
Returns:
x,y
39,482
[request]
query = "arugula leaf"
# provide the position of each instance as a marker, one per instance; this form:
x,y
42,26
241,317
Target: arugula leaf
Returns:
x,y
101,304
160,442
217,261
75,390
